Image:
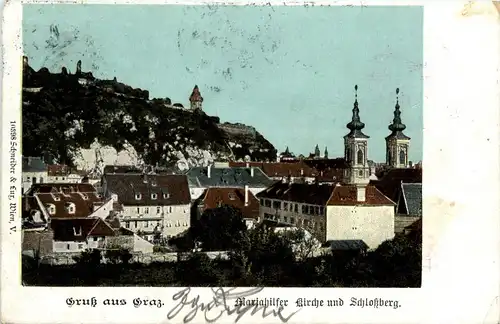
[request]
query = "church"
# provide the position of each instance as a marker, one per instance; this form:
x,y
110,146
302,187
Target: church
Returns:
x,y
357,207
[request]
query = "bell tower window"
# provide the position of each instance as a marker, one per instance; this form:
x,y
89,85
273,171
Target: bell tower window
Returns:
x,y
402,157
360,156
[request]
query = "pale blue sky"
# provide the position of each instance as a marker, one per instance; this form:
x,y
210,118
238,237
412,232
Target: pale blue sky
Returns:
x,y
288,71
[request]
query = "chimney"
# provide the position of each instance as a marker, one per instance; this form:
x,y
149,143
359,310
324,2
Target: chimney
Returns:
x,y
246,195
251,172
361,193
209,167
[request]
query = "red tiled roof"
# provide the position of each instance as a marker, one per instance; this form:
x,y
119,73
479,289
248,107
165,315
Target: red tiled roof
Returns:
x,y
58,187
83,202
232,197
78,229
169,189
347,195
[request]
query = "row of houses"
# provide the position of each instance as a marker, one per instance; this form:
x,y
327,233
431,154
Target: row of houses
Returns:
x,y
36,170
141,209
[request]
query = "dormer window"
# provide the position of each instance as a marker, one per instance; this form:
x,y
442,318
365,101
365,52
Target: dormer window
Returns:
x,y
154,196
166,195
138,196
153,183
51,208
77,231
232,196
70,207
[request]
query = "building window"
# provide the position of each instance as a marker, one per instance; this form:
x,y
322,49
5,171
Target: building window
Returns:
x,y
127,224
158,210
146,210
261,202
304,209
63,178
292,220
34,180
68,246
41,179
316,210
360,156
285,219
138,210
95,238
170,209
276,204
135,224
146,224
285,206
360,173
138,196
296,208
402,157
154,196
80,246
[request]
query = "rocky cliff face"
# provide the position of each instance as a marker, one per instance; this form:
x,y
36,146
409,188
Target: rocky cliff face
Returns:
x,y
82,121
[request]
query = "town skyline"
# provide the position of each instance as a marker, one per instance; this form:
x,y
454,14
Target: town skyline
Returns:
x,y
301,95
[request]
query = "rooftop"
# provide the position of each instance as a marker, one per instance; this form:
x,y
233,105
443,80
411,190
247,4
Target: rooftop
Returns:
x,y
228,177
148,190
232,197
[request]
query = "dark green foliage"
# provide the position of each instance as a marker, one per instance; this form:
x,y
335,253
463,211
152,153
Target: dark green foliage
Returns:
x,y
100,108
90,257
259,257
219,229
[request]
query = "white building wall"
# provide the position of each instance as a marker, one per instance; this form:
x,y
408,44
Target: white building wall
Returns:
x,y
70,178
27,179
175,219
68,246
141,245
372,224
292,214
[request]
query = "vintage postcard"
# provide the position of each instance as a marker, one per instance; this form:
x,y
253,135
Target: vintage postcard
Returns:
x,y
250,162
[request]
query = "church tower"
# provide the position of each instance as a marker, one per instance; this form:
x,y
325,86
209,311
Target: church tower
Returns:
x,y
196,99
356,149
397,144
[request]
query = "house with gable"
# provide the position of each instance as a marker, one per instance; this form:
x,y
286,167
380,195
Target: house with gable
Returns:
x,y
150,204
242,199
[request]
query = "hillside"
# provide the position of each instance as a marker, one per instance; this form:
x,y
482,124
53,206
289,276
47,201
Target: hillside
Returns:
x,y
79,120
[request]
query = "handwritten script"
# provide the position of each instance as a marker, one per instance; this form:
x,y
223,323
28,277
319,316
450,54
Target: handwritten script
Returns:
x,y
221,304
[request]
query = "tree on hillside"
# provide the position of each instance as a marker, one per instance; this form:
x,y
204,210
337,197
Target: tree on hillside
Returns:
x,y
219,228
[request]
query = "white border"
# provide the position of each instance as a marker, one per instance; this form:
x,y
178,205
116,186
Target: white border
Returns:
x,y
461,190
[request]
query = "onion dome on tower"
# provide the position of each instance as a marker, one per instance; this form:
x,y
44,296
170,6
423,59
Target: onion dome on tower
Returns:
x,y
355,125
397,127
